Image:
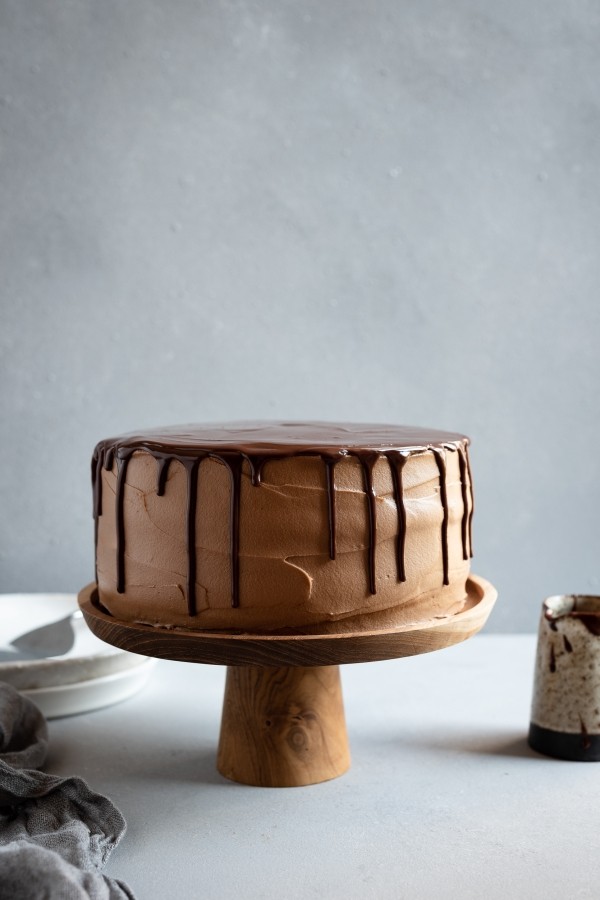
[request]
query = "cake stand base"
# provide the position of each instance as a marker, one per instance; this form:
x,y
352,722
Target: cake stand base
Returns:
x,y
283,727
283,716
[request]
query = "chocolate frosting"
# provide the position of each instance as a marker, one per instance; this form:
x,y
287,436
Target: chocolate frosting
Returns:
x,y
256,443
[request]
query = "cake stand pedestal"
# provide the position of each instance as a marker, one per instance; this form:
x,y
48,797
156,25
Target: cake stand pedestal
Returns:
x,y
283,716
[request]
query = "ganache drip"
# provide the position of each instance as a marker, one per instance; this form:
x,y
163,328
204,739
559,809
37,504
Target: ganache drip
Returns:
x,y
440,458
367,461
162,474
330,466
233,456
396,461
472,504
464,525
122,463
192,466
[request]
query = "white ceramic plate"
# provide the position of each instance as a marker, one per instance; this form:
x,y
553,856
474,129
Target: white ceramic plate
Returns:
x,y
85,696
91,675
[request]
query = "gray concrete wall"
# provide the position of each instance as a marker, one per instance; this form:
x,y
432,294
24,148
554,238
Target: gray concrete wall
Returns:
x,y
376,211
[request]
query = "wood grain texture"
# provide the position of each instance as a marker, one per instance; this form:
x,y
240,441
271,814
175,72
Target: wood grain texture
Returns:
x,y
233,649
283,727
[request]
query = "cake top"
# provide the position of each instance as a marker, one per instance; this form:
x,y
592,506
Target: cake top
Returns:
x,y
282,439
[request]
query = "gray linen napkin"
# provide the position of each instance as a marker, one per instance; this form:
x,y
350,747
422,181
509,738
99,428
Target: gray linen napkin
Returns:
x,y
55,833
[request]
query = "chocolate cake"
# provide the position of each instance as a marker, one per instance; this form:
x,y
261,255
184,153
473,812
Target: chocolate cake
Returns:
x,y
286,527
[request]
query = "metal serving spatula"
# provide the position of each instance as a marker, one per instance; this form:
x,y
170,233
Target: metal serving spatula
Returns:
x,y
54,639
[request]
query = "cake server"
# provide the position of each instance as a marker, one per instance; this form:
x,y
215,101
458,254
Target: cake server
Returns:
x,y
54,639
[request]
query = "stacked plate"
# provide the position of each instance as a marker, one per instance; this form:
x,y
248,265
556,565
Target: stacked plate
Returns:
x,y
87,674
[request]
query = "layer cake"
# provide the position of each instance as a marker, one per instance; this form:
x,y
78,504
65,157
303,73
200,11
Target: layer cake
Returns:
x,y
283,527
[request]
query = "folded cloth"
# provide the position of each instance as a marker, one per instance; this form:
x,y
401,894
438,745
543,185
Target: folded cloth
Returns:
x,y
55,833
23,731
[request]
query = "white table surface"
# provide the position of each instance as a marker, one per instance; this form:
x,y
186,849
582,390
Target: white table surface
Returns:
x,y
444,798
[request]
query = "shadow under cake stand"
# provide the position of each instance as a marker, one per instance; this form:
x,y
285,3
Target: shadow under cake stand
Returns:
x,y
283,715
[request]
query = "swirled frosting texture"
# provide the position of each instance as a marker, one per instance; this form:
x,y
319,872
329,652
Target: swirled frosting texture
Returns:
x,y
269,527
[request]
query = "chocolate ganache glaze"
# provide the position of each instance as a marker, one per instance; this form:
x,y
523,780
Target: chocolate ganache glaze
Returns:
x,y
245,449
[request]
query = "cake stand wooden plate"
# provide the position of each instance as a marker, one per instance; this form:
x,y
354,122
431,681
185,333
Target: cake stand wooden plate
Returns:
x,y
283,716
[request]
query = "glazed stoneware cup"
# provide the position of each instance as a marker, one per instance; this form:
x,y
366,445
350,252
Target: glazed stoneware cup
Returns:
x,y
565,713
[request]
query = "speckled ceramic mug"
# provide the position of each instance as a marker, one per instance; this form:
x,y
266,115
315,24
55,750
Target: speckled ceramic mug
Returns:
x,y
565,713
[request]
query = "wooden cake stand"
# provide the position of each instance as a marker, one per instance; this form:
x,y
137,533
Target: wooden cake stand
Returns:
x,y
283,715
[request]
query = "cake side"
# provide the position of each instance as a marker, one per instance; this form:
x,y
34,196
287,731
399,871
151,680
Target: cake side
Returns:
x,y
326,538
